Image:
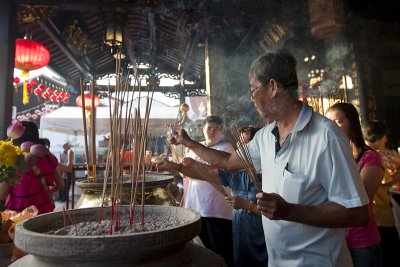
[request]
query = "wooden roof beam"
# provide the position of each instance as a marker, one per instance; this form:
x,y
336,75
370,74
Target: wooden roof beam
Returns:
x,y
84,69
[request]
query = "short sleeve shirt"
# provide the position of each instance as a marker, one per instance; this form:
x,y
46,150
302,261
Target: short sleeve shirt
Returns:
x,y
203,197
313,167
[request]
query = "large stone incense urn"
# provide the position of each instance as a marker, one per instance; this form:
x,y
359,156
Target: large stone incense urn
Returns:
x,y
156,191
166,246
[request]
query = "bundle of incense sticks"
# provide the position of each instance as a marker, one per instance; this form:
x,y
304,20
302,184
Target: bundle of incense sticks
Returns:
x,y
207,173
235,138
174,153
128,131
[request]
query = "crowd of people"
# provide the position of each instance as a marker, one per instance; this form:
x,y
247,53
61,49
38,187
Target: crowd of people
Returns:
x,y
325,179
325,197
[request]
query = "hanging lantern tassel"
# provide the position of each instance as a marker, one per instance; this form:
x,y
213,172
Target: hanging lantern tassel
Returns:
x,y
25,94
88,116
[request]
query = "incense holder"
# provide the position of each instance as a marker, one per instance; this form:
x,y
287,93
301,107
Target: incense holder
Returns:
x,y
167,246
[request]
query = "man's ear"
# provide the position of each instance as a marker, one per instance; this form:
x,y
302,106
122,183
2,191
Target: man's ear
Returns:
x,y
274,86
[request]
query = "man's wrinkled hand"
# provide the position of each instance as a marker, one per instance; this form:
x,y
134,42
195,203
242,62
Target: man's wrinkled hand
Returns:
x,y
164,165
178,137
272,206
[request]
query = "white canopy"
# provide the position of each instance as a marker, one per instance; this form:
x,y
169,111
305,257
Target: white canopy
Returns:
x,y
69,119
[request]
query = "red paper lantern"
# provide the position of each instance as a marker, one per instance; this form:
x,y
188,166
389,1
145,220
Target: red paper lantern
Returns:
x,y
49,90
33,83
59,98
46,95
37,91
16,80
29,55
88,101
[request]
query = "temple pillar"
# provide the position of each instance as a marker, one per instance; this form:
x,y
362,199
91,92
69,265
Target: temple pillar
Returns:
x,y
7,48
327,22
215,70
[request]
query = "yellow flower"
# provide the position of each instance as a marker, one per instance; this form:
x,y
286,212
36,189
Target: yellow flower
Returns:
x,y
11,160
9,154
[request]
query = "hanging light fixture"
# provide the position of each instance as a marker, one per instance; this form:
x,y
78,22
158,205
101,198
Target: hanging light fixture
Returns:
x,y
114,33
29,55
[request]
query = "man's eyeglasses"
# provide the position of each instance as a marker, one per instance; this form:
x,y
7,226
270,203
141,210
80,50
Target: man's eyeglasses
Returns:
x,y
253,90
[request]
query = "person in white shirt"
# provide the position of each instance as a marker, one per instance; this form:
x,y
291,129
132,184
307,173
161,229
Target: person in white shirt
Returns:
x,y
311,187
201,196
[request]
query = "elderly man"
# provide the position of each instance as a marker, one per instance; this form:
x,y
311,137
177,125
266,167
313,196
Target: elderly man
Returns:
x,y
311,186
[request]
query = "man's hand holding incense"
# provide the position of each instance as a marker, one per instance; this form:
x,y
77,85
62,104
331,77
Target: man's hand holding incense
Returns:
x,y
178,137
272,206
236,202
166,165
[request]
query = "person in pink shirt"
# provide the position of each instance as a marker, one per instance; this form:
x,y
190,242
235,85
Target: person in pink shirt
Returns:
x,y
363,242
30,189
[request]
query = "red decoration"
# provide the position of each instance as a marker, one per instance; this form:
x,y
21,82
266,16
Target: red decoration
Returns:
x,y
59,98
37,91
16,82
88,101
33,82
29,55
49,90
46,95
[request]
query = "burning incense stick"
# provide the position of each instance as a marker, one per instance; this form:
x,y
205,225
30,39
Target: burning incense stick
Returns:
x,y
85,135
234,137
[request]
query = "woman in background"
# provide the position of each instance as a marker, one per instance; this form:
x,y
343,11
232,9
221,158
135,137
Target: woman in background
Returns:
x,y
30,190
376,137
363,242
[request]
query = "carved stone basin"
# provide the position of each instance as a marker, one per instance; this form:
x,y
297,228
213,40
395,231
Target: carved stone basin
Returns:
x,y
169,245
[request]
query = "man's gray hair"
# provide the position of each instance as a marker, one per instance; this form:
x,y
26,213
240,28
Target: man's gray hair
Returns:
x,y
280,66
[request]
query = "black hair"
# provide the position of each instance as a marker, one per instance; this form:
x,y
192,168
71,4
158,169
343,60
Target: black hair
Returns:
x,y
355,132
44,141
374,130
31,133
250,129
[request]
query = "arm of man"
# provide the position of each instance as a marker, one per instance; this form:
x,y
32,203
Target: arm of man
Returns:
x,y
70,162
331,215
220,159
190,168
